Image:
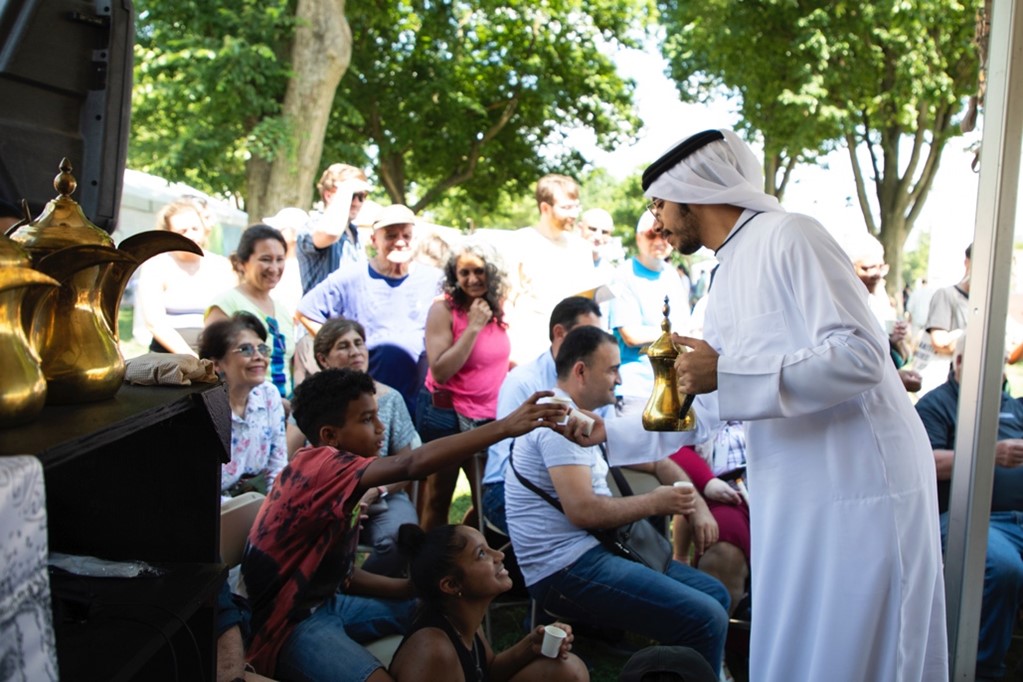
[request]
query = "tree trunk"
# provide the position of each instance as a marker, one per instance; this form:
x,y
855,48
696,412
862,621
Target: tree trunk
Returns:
x,y
320,54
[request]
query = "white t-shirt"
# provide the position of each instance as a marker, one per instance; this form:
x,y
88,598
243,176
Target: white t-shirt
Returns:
x,y
545,540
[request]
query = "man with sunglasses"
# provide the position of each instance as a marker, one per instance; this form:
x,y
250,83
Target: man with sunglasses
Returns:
x,y
596,227
846,553
331,237
642,283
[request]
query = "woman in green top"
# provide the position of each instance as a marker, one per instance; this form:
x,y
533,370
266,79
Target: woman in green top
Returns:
x,y
259,260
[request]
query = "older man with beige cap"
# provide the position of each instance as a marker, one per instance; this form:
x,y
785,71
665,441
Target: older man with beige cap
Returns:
x,y
846,554
390,296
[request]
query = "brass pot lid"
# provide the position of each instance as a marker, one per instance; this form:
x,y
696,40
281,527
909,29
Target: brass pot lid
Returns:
x,y
13,255
663,347
62,223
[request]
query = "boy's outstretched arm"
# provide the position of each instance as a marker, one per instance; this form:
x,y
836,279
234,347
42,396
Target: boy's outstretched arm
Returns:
x,y
451,450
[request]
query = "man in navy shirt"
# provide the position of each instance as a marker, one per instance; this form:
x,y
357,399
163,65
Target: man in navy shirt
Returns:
x,y
1003,582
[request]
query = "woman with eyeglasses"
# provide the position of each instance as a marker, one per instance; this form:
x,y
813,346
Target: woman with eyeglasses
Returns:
x,y
237,346
259,260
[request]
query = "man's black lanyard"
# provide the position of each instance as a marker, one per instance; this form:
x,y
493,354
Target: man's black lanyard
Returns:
x,y
728,239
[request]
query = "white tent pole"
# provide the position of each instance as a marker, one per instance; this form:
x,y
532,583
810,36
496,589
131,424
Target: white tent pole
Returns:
x,y
980,389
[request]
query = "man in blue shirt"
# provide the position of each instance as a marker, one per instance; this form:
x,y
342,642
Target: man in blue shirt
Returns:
x,y
389,296
331,238
636,313
1003,581
538,375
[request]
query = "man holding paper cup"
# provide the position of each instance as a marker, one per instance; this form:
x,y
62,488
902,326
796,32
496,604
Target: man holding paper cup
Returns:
x,y
566,569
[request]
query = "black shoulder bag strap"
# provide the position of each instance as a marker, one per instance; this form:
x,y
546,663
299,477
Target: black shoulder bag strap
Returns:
x,y
623,486
637,541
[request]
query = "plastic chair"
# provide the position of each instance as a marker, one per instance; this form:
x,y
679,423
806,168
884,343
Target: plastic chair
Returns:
x,y
236,518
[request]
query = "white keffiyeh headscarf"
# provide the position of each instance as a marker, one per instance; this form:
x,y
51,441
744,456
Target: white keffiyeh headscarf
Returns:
x,y
720,172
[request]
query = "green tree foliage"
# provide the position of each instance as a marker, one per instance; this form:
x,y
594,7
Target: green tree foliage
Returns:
x,y
887,76
472,96
453,102
209,81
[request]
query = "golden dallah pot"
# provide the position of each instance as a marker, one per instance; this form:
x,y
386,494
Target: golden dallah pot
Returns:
x,y
666,410
75,326
23,388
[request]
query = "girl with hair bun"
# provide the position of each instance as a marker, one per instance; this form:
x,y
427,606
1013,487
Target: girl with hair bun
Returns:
x,y
456,576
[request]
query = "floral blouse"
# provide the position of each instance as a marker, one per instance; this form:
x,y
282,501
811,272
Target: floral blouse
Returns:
x,y
257,439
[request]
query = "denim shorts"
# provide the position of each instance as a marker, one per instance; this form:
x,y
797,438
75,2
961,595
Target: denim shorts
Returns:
x,y
328,644
434,422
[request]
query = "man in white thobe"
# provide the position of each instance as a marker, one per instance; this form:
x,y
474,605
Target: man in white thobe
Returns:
x,y
846,572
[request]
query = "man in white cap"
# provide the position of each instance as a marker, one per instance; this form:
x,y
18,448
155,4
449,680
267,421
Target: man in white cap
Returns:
x,y
636,312
847,581
390,296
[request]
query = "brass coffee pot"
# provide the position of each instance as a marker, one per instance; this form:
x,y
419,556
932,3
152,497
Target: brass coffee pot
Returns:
x,y
665,411
23,389
75,326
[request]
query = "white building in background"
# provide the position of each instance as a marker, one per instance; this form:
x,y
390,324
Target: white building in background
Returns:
x,y
143,195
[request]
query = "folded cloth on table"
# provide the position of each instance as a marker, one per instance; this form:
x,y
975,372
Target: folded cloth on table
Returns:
x,y
168,369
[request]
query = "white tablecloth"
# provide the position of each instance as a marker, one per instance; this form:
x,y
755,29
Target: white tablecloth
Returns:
x,y
27,645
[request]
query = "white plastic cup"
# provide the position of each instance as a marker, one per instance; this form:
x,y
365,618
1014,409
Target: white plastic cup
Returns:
x,y
889,326
553,636
586,420
684,484
561,401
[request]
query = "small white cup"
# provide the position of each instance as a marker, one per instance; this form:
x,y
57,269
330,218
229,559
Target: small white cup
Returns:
x,y
586,420
889,326
561,401
684,484
553,636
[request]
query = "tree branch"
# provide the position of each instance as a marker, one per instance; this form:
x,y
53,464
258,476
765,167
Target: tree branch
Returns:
x,y
465,172
861,187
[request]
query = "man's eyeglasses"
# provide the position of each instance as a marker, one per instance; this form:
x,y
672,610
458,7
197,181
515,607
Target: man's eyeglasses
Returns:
x,y
594,230
879,268
247,350
361,196
655,207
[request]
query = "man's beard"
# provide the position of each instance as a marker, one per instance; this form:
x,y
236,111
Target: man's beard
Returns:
x,y
686,237
564,224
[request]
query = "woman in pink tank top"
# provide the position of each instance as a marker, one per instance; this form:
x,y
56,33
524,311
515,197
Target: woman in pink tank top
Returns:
x,y
467,347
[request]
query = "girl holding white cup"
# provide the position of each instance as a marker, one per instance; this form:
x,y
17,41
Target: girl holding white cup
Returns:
x,y
456,575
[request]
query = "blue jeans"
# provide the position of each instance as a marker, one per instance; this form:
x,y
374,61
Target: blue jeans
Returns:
x,y
1003,589
325,646
493,505
434,422
683,607
380,532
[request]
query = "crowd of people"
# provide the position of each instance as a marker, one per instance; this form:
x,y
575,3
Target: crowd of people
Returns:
x,y
355,407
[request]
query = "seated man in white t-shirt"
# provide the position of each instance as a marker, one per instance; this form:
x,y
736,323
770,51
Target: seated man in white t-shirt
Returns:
x,y
565,568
